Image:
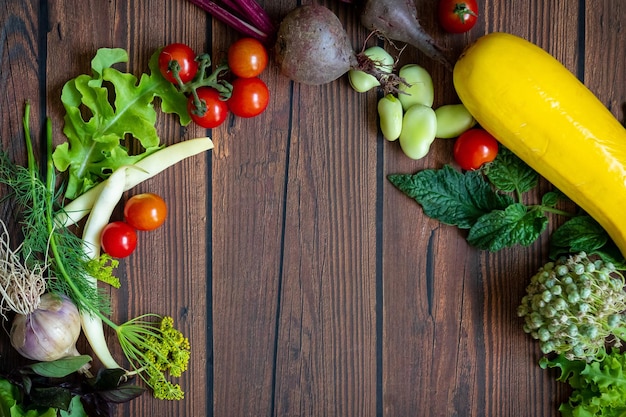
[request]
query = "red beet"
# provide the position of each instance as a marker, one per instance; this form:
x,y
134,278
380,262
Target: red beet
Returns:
x,y
312,46
397,20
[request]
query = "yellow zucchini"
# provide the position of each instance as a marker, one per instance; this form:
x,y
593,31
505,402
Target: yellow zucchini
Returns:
x,y
539,110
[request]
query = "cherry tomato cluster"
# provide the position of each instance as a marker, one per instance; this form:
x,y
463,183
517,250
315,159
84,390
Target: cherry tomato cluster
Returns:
x,y
142,212
457,16
211,98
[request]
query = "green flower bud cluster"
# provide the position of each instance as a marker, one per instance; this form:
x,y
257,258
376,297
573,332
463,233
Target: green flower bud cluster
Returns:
x,y
574,306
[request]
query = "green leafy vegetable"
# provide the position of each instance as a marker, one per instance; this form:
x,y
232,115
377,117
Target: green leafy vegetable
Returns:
x,y
579,233
481,201
599,387
95,146
451,197
11,403
510,174
51,389
583,234
516,224
61,367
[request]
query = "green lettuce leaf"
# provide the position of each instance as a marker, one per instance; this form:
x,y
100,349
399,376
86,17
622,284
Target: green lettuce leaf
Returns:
x,y
599,387
10,406
103,110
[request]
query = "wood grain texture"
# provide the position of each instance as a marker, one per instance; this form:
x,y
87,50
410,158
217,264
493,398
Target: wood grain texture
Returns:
x,y
307,284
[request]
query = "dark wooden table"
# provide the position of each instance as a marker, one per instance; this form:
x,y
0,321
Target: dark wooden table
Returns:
x,y
307,284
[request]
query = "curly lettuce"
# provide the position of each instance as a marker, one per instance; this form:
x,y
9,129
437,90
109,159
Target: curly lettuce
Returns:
x,y
104,109
599,386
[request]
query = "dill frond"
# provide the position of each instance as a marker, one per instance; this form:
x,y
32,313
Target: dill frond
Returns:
x,y
45,243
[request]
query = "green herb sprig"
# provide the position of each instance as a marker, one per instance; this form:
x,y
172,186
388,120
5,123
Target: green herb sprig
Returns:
x,y
44,244
491,204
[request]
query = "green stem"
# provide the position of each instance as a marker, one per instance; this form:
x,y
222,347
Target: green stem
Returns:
x,y
32,165
54,249
553,210
620,332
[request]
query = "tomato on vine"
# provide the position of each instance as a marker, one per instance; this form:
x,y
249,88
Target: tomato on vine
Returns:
x,y
118,239
247,58
474,148
457,16
178,57
209,109
250,97
146,211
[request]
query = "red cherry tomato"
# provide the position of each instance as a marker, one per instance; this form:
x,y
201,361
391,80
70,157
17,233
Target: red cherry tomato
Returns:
x,y
247,58
186,58
474,148
118,239
249,98
145,211
213,110
458,16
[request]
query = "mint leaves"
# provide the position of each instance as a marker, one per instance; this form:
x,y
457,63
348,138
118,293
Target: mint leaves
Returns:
x,y
489,203
479,201
451,197
102,110
583,234
509,173
516,224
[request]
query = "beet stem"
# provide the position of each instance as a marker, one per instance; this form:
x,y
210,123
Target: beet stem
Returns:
x,y
233,6
231,20
256,14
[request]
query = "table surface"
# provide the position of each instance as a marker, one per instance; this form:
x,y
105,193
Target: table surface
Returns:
x,y
307,284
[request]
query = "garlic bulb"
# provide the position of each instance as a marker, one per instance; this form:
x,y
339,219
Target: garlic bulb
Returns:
x,y
48,333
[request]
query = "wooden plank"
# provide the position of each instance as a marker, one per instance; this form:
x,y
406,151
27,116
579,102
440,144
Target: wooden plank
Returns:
x,y
605,53
326,342
452,343
20,31
248,186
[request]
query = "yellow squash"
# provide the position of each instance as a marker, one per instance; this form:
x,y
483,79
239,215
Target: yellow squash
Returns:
x,y
539,110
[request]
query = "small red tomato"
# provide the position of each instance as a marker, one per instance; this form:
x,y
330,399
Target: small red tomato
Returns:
x,y
247,58
145,211
213,110
457,16
474,148
249,98
186,58
118,239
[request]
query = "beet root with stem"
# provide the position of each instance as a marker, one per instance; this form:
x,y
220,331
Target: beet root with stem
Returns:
x,y
312,47
397,20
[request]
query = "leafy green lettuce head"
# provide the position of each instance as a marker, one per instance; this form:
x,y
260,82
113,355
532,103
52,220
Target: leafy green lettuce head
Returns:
x,y
102,110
